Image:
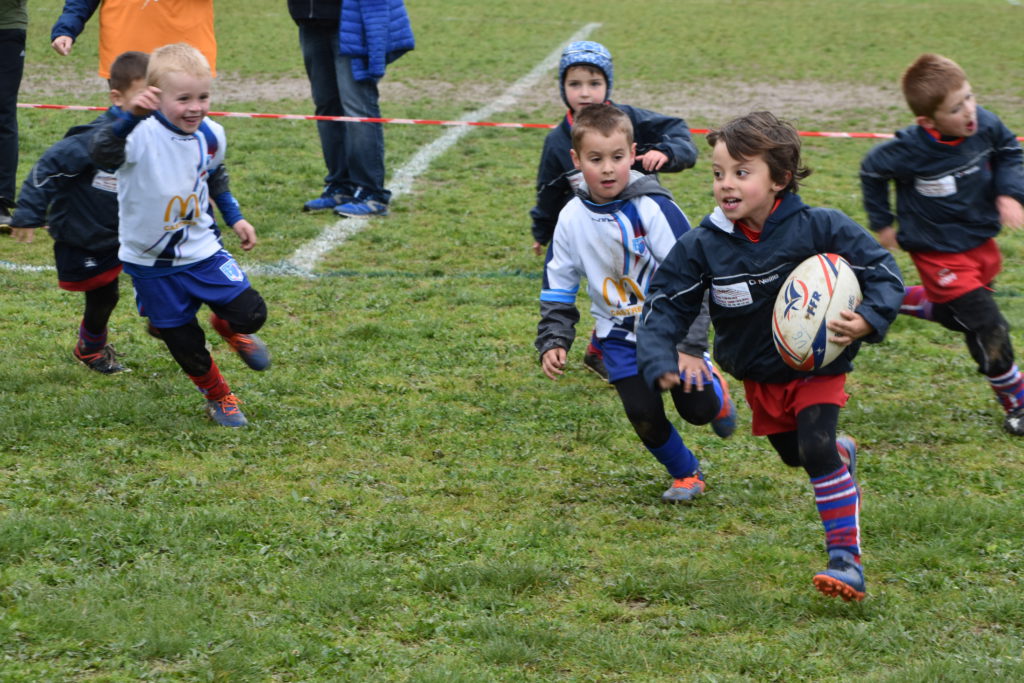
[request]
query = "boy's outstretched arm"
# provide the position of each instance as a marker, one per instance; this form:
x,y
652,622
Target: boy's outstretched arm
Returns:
x,y
220,190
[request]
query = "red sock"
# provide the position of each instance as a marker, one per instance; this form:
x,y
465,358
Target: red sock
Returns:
x,y
222,326
212,385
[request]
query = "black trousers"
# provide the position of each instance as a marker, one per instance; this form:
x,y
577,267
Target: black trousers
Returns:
x,y
12,66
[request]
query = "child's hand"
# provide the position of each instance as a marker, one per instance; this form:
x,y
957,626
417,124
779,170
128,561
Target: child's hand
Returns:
x,y
1011,213
553,362
887,238
145,102
62,44
23,234
246,233
694,372
538,248
852,327
652,160
669,380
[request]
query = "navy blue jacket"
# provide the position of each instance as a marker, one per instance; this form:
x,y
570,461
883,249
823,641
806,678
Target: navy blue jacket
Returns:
x,y
667,134
744,279
66,191
72,20
945,194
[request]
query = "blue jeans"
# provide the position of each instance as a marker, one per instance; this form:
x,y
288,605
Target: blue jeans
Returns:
x,y
353,152
12,64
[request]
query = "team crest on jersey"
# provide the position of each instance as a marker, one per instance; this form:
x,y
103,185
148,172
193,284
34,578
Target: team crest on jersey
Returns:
x,y
639,245
232,271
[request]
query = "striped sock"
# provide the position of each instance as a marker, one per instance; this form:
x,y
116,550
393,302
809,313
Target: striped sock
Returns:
x,y
212,385
1009,388
675,456
915,303
89,342
838,504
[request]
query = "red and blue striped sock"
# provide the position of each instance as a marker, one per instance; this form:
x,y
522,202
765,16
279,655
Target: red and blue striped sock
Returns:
x,y
1009,388
838,502
915,303
89,342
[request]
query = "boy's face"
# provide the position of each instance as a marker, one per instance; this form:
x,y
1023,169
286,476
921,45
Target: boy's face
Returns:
x,y
957,116
185,99
605,161
743,188
120,99
584,85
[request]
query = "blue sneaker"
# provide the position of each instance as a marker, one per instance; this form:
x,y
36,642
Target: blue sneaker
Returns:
x,y
225,411
359,207
686,489
331,198
844,577
251,349
724,423
847,447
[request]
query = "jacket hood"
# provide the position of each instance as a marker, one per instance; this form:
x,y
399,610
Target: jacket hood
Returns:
x,y
639,186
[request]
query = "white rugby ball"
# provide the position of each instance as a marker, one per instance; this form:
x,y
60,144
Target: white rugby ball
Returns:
x,y
814,293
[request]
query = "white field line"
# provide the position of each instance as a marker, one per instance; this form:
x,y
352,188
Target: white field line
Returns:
x,y
306,257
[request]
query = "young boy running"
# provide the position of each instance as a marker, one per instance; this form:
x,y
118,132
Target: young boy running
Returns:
x,y
614,233
585,74
742,253
78,202
169,163
959,178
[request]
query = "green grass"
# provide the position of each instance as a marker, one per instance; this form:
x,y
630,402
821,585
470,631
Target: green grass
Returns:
x,y
414,501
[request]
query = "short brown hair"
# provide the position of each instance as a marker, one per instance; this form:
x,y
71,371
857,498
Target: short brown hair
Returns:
x,y
928,80
760,133
129,67
177,57
600,118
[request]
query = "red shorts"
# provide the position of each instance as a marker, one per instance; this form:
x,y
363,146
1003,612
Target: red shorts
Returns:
x,y
774,407
947,276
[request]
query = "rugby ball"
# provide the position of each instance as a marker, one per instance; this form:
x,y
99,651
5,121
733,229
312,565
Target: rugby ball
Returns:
x,y
814,293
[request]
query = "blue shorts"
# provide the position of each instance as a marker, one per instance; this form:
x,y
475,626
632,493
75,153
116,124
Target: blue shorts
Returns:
x,y
172,300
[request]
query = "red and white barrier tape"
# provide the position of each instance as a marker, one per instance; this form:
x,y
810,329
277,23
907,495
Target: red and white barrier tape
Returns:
x,y
436,122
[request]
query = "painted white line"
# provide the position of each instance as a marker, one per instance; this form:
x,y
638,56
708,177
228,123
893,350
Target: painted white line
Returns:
x,y
306,257
18,267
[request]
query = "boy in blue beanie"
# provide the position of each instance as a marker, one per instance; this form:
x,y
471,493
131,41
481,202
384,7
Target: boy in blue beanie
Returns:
x,y
585,76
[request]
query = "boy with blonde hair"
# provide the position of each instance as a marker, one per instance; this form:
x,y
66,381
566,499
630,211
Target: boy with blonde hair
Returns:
x,y
959,178
614,233
169,162
742,253
78,201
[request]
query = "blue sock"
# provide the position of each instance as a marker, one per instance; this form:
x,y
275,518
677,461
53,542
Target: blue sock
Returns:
x,y
89,342
675,456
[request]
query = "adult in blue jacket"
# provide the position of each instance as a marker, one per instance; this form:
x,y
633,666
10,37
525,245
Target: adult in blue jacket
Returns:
x,y
346,47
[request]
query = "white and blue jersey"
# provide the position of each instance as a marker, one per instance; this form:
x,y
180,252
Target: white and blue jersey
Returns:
x,y
164,196
616,247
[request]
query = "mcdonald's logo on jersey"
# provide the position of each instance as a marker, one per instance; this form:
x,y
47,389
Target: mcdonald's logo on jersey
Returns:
x,y
626,292
181,212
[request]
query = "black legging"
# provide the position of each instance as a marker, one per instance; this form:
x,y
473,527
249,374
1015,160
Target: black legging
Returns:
x,y
813,444
99,305
646,411
985,329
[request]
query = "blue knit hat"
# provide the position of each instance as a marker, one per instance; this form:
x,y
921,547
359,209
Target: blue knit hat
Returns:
x,y
585,52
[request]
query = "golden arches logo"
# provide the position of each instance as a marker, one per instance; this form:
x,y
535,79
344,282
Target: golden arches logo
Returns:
x,y
624,289
186,214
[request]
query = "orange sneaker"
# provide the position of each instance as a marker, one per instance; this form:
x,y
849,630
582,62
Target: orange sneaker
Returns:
x,y
686,489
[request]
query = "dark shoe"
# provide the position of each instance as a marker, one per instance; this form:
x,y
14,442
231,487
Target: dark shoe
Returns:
x,y
331,198
103,361
843,578
724,423
1014,422
225,411
594,363
358,208
250,348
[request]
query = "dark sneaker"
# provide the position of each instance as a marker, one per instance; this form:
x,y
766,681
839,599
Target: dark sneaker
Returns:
x,y
252,350
358,208
847,447
685,490
5,218
1014,422
225,411
331,198
843,578
103,361
594,363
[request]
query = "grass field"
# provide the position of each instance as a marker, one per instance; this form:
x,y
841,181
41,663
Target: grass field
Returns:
x,y
414,501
